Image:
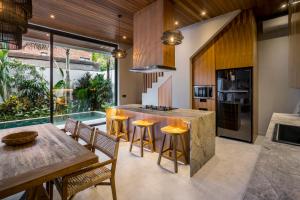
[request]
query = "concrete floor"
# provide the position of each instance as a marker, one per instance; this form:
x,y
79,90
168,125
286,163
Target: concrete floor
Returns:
x,y
224,177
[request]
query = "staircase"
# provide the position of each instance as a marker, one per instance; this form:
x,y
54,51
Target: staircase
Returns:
x,y
149,79
152,82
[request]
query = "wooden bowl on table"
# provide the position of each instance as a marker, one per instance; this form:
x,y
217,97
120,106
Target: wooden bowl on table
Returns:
x,y
19,138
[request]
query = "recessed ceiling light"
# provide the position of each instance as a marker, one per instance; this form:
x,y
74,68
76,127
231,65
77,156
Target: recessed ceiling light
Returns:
x,y
124,37
176,23
203,13
52,16
47,35
283,6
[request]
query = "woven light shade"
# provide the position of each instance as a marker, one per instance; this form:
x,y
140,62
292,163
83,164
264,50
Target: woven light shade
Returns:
x,y
172,37
14,15
10,37
27,6
119,53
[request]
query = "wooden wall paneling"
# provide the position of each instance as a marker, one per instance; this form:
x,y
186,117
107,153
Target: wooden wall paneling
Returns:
x,y
203,73
234,46
168,20
149,25
165,93
99,18
203,66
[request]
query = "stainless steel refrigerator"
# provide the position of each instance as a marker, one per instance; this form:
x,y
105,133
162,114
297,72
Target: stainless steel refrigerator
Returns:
x,y
234,104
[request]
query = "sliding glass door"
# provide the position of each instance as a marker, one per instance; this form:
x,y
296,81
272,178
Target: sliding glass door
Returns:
x,y
83,80
54,76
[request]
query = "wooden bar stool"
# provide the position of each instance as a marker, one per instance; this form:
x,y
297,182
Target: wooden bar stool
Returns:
x,y
145,127
174,132
119,126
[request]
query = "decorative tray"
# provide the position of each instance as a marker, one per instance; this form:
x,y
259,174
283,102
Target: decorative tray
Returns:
x,y
19,138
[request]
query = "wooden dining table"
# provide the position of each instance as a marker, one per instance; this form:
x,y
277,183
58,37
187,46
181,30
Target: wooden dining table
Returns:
x,y
52,155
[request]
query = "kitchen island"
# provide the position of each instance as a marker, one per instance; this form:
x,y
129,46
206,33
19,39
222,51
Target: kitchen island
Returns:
x,y
200,142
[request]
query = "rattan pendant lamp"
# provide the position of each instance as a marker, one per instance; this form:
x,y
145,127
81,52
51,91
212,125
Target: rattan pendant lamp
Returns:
x,y
172,37
14,16
119,53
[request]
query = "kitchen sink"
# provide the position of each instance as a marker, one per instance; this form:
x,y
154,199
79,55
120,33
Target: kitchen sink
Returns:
x,y
287,134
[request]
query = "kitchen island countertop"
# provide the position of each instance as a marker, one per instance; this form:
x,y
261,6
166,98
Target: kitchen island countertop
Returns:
x,y
202,125
177,112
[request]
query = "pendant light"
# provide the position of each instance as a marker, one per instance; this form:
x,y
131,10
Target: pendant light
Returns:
x,y
10,36
119,53
172,37
14,15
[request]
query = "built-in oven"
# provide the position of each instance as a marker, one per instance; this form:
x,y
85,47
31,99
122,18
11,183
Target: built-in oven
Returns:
x,y
203,92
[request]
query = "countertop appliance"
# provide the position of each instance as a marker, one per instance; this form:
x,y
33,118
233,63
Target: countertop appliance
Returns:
x,y
203,92
234,103
159,108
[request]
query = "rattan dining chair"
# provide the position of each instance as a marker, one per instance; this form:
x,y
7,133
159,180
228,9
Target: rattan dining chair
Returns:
x,y
71,127
96,174
87,134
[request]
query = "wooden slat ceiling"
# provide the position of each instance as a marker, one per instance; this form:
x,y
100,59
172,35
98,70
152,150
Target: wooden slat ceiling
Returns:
x,y
99,18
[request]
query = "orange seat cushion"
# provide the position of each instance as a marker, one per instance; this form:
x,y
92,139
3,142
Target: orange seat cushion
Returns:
x,y
174,130
119,117
143,123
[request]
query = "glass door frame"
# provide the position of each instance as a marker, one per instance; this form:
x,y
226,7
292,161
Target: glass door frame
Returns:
x,y
53,32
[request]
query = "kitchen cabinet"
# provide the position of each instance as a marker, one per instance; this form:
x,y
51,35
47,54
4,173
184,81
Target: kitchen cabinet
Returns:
x,y
207,104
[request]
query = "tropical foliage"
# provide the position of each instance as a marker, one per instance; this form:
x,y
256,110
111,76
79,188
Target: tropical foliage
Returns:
x,y
104,60
24,91
92,92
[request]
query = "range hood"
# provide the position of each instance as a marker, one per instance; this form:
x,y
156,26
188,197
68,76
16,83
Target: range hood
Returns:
x,y
152,69
149,24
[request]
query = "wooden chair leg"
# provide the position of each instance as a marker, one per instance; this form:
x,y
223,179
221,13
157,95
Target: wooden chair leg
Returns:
x,y
175,153
142,134
49,189
113,188
124,127
170,145
183,149
132,138
150,139
161,149
153,137
117,128
111,127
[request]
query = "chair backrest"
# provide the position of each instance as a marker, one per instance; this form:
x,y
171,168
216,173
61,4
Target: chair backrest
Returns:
x,y
71,126
107,144
86,133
